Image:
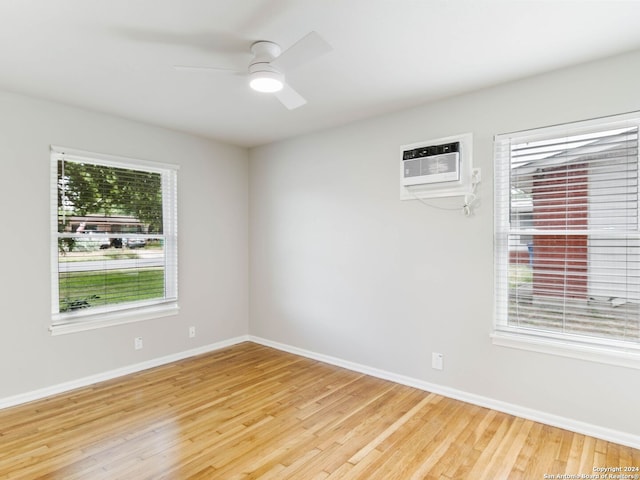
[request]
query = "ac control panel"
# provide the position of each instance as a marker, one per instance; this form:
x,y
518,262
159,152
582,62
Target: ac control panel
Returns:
x,y
431,164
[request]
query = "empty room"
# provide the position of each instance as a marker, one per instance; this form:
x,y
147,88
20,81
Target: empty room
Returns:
x,y
317,239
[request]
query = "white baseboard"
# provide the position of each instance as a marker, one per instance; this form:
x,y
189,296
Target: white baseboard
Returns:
x,y
610,435
119,372
622,438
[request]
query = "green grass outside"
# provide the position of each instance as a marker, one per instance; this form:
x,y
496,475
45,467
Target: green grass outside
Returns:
x,y
89,289
519,274
98,256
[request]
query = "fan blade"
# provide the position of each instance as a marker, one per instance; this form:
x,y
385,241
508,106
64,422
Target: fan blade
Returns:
x,y
304,50
290,98
190,68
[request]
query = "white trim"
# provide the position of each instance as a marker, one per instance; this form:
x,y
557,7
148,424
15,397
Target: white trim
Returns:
x,y
53,236
578,127
563,348
113,317
610,435
73,154
111,374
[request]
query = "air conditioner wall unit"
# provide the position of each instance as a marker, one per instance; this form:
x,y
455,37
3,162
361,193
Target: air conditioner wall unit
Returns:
x,y
436,168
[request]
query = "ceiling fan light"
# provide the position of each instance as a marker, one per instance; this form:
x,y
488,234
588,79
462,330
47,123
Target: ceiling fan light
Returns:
x,y
267,82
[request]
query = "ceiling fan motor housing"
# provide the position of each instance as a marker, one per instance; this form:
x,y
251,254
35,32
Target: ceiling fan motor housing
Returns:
x,y
265,51
263,76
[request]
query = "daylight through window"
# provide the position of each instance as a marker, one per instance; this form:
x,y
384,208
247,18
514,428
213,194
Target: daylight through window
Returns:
x,y
566,234
114,248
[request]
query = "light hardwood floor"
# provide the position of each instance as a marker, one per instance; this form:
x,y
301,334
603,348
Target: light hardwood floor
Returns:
x,y
249,411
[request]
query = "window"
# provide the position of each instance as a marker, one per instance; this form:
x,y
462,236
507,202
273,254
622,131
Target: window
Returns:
x,y
567,242
114,240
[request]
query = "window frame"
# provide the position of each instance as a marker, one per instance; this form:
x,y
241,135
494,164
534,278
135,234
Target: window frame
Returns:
x,y
596,349
116,314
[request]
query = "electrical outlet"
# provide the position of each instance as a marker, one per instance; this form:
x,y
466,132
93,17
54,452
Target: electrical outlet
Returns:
x,y
192,332
437,360
137,343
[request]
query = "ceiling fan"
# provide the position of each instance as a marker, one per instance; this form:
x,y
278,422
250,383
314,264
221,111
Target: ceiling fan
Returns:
x,y
267,68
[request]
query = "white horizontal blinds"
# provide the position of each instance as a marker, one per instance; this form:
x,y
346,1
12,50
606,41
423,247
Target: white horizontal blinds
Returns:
x,y
590,174
507,273
567,238
170,215
112,236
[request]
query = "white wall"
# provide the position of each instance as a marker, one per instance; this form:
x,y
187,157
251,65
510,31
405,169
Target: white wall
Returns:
x,y
213,245
338,264
341,267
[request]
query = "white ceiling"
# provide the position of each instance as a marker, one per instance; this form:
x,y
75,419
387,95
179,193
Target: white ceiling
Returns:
x,y
117,56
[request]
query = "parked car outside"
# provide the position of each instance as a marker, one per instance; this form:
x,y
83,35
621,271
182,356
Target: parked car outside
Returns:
x,y
135,242
92,240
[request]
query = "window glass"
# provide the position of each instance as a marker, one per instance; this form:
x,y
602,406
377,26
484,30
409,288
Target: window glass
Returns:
x,y
115,235
566,233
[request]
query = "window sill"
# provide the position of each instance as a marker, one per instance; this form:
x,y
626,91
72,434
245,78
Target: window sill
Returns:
x,y
619,356
109,319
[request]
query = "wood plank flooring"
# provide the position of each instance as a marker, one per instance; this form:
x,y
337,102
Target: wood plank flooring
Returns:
x,y
251,412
